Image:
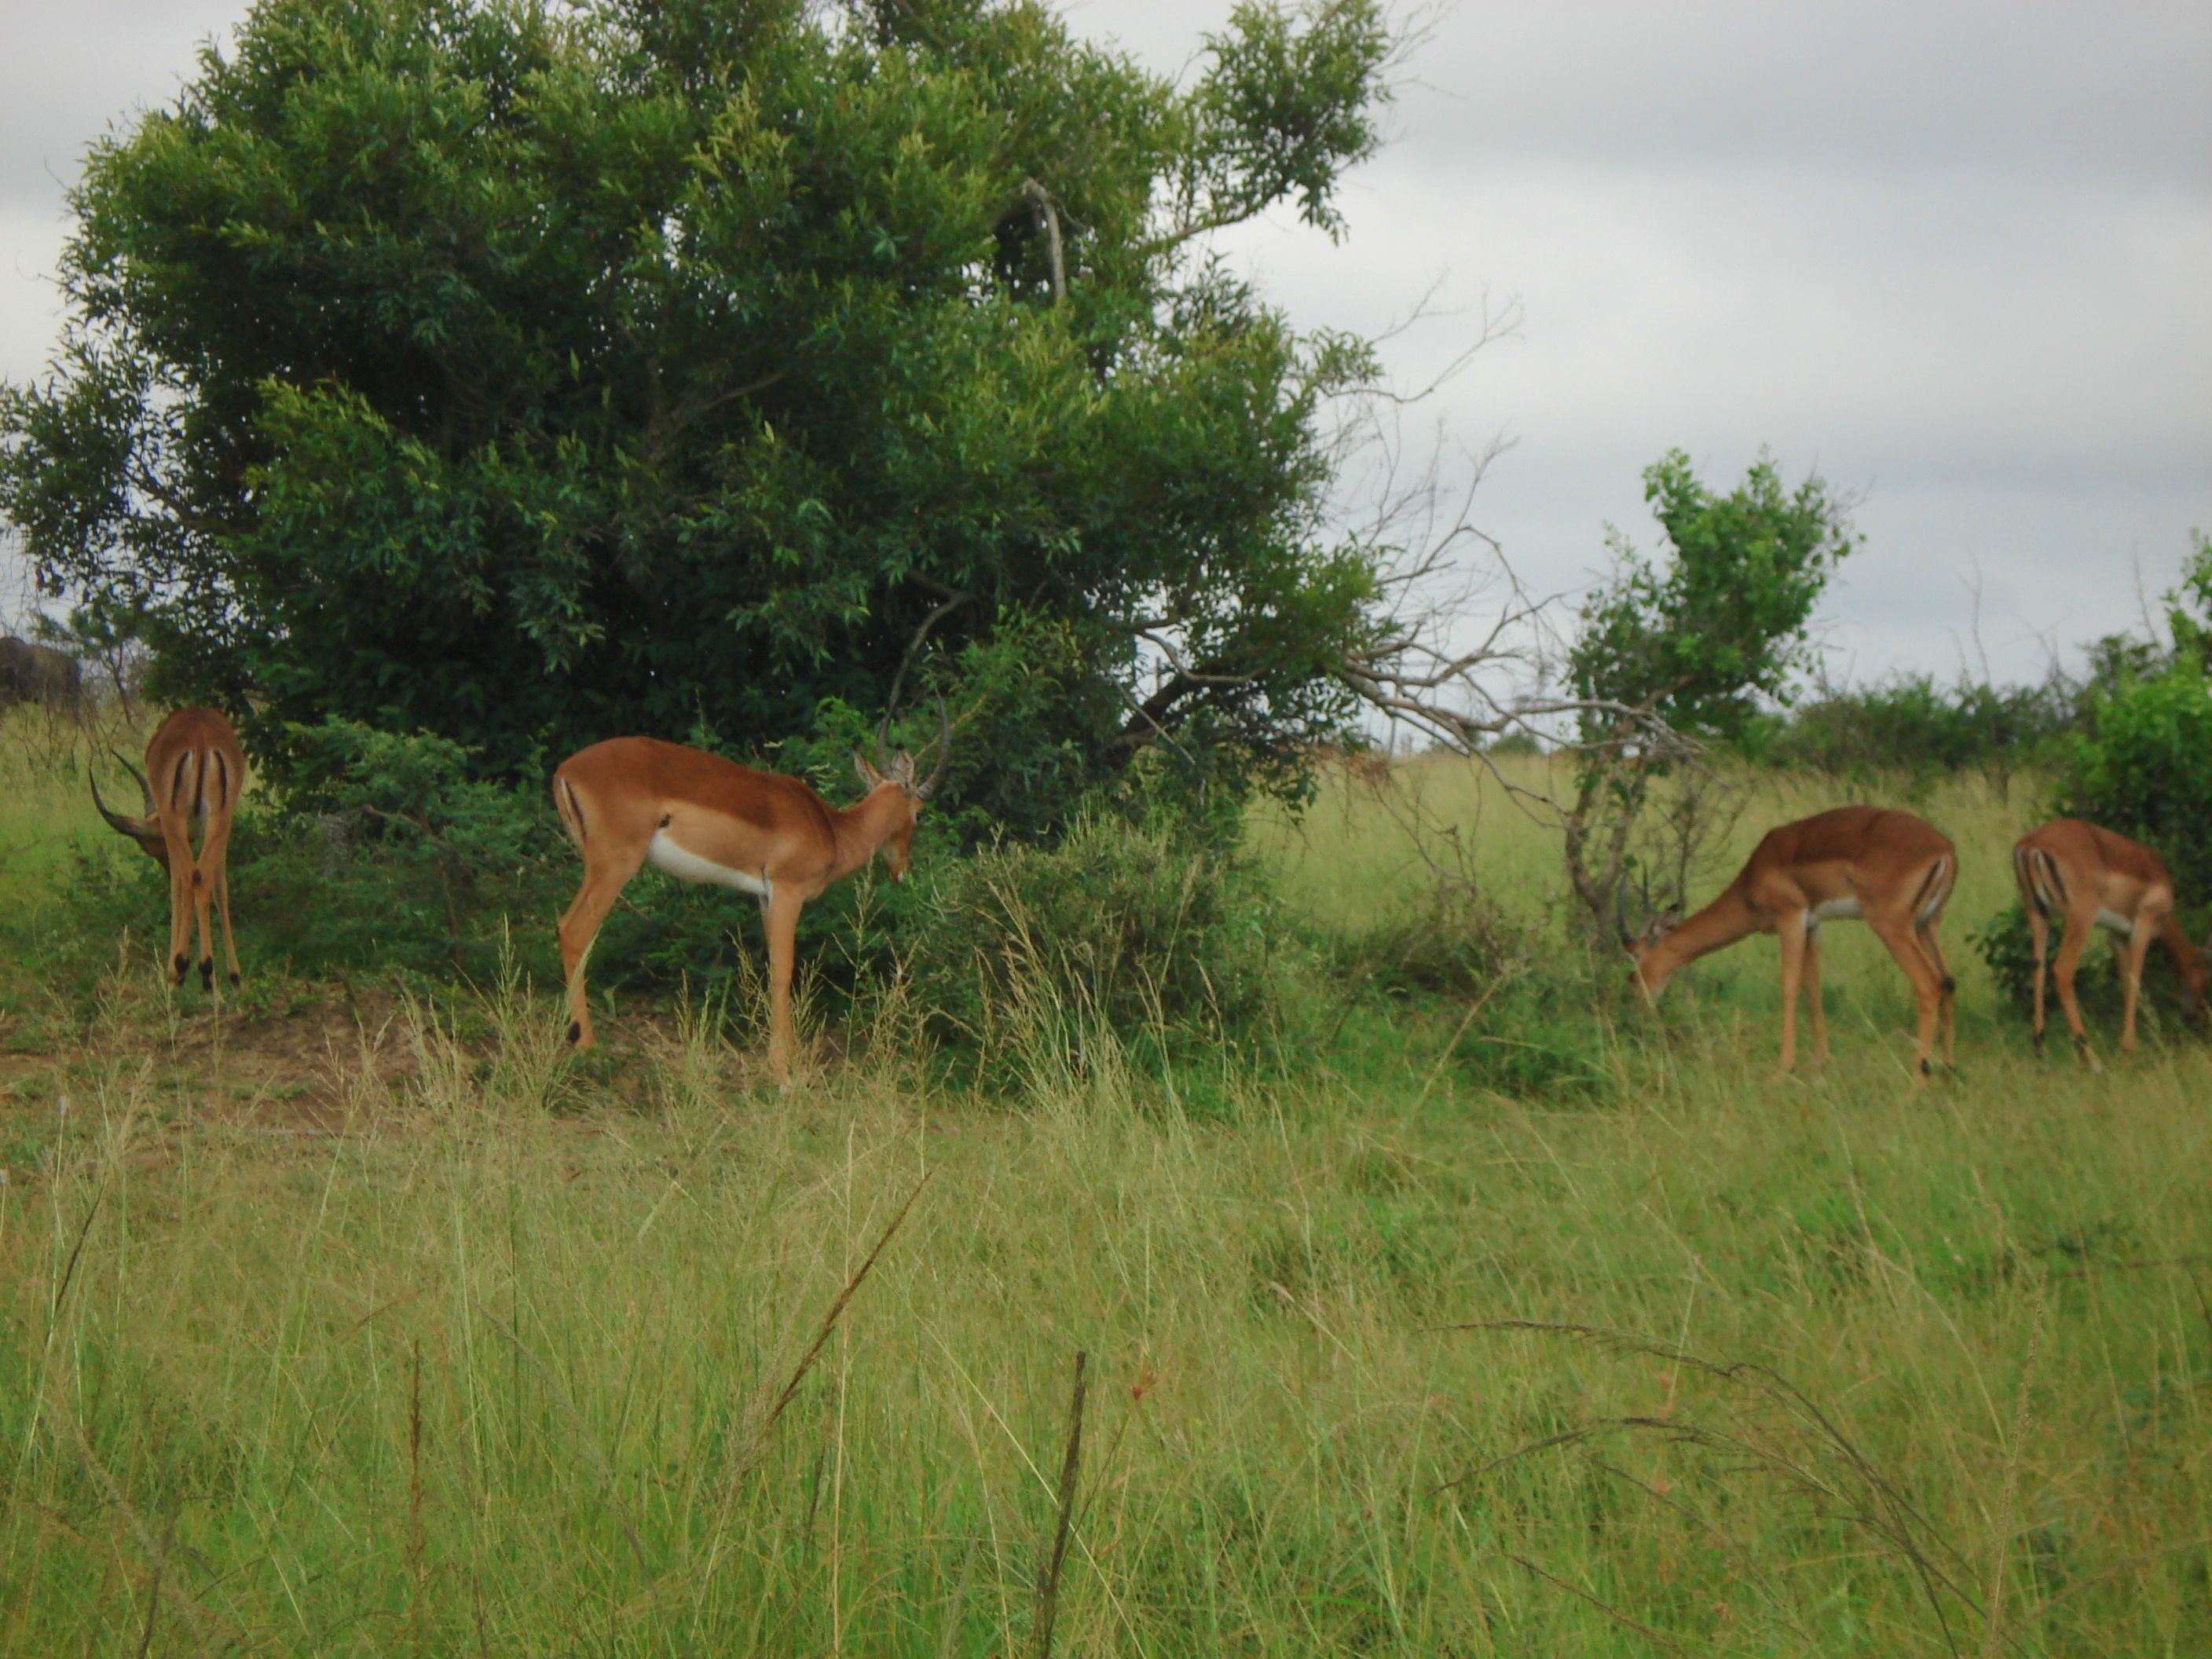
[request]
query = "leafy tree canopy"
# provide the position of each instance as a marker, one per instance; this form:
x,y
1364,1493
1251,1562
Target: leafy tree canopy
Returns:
x,y
1725,619
530,371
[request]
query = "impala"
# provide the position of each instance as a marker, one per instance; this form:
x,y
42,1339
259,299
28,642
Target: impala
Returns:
x,y
1888,869
194,758
2087,878
633,801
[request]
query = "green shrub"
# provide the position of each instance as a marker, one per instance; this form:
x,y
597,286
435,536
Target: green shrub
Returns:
x,y
1453,943
1909,724
1120,928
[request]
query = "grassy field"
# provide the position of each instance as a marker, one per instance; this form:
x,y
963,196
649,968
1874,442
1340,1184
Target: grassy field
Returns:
x,y
354,1323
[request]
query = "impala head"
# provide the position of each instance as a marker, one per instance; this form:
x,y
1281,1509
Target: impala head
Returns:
x,y
895,772
1650,973
146,831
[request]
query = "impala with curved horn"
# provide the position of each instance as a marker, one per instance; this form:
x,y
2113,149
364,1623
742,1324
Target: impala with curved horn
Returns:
x,y
629,802
1888,869
194,756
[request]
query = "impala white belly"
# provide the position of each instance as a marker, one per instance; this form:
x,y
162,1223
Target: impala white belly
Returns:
x,y
2113,921
665,856
1842,910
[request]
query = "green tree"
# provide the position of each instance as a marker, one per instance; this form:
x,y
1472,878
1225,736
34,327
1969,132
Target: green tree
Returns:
x,y
1685,648
526,372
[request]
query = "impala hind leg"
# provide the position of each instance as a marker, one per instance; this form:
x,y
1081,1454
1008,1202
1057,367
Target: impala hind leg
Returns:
x,y
180,902
1925,932
579,926
2039,933
222,908
1903,939
2070,947
203,888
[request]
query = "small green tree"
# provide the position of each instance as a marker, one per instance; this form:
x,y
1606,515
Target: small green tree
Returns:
x,y
1672,652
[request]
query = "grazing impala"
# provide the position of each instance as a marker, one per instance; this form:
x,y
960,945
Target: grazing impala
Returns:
x,y
633,801
2086,878
194,758
1887,869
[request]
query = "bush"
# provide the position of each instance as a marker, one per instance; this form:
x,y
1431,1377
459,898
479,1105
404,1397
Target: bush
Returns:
x,y
1453,944
1123,928
1911,724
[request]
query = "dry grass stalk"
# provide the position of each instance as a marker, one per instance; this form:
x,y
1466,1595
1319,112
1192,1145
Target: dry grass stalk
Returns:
x,y
1047,1601
758,1440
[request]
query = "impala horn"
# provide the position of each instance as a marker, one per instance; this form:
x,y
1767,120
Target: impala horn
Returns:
x,y
1620,919
138,829
145,789
943,752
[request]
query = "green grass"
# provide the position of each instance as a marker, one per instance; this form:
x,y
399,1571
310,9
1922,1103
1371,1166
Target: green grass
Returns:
x,y
1825,1365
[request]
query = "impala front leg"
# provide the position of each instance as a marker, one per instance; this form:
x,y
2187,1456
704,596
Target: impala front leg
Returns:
x,y
1792,931
2138,947
783,908
1812,996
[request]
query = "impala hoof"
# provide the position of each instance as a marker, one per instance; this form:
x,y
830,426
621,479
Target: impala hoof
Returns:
x,y
234,981
207,974
177,968
576,1034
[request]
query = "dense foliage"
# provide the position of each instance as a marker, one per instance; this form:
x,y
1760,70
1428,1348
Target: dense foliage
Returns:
x,y
524,373
1912,724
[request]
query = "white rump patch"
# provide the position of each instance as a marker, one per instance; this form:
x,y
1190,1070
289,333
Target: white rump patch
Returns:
x,y
664,855
2113,922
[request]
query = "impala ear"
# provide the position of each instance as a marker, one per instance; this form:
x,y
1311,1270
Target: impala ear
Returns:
x,y
869,776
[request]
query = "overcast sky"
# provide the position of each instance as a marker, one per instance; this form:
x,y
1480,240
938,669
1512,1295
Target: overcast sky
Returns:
x,y
1957,258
